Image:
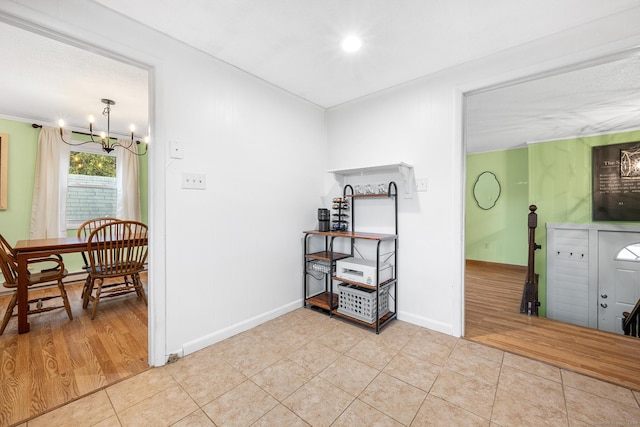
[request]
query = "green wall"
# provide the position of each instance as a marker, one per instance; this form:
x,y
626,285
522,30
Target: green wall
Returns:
x,y
560,185
23,142
557,175
15,220
500,233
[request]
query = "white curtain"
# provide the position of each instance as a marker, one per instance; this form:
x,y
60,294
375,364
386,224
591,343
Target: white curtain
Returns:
x,y
49,206
127,173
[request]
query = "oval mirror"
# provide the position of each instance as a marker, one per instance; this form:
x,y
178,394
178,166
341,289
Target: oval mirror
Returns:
x,y
486,190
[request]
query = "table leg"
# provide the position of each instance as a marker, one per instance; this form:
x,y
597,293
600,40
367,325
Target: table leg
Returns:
x,y
23,294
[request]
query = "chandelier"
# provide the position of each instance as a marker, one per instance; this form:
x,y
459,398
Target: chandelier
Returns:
x,y
108,143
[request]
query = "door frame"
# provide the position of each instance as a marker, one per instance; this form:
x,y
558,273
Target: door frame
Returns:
x,y
64,32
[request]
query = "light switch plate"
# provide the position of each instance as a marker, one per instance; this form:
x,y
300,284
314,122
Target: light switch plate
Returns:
x,y
194,181
421,184
176,150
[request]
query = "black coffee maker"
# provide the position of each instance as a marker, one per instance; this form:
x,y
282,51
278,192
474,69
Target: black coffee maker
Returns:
x,y
324,219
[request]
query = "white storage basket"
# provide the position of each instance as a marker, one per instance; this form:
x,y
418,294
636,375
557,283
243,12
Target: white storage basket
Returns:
x,y
359,302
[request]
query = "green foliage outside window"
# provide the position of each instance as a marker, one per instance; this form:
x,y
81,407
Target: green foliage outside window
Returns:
x,y
92,164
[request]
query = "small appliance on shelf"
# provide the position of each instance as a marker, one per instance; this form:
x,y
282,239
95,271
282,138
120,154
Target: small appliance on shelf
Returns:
x,y
324,219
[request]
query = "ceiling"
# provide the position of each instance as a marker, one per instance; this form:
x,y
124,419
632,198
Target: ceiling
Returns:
x,y
295,45
599,99
56,81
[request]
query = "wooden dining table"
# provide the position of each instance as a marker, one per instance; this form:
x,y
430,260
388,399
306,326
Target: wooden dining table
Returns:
x,y
39,248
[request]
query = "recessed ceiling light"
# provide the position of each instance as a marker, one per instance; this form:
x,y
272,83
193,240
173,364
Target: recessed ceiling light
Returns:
x,y
351,43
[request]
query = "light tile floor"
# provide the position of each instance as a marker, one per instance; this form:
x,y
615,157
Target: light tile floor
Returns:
x,y
305,368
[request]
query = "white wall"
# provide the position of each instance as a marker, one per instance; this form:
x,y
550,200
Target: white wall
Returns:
x,y
233,251
414,124
421,124
230,257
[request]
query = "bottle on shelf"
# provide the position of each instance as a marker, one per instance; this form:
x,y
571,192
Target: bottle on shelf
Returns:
x,y
340,220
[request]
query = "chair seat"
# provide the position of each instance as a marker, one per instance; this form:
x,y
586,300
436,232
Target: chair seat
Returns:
x,y
9,268
118,269
42,277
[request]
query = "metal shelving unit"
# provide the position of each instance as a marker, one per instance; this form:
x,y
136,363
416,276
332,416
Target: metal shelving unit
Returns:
x,y
328,300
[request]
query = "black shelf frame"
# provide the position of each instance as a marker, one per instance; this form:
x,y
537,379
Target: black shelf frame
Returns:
x,y
331,257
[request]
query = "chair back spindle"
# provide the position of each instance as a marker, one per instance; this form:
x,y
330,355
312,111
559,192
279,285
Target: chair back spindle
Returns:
x,y
8,264
88,227
115,249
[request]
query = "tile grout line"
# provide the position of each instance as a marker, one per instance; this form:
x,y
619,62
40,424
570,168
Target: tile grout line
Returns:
x,y
495,394
564,398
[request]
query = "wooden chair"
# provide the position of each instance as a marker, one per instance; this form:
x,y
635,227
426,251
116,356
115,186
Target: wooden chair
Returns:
x,y
116,249
9,268
85,231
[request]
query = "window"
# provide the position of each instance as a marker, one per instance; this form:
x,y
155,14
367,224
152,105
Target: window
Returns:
x,y
92,187
629,253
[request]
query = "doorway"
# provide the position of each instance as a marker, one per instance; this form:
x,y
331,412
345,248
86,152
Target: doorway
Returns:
x,y
73,358
618,277
554,174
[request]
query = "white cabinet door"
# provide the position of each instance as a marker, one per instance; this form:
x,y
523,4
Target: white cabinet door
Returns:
x,y
568,276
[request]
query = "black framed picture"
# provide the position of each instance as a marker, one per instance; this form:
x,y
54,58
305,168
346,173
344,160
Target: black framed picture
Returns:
x,y
616,182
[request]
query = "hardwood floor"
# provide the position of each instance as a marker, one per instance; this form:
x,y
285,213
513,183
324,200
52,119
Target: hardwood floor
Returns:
x,y
492,317
60,360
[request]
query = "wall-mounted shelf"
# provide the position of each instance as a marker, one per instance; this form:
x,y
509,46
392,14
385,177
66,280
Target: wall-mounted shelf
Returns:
x,y
404,170
364,170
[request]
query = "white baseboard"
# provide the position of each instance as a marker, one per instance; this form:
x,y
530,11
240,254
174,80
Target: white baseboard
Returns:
x,y
434,325
207,340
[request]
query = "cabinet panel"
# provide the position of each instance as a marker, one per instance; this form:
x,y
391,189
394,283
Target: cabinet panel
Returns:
x,y
568,276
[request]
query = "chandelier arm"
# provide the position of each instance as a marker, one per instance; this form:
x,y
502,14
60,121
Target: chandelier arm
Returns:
x,y
128,145
78,143
130,148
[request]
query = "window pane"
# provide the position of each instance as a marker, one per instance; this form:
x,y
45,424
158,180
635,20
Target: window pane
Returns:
x,y
91,187
629,253
92,164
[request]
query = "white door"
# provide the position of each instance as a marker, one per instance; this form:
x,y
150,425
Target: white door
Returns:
x,y
618,277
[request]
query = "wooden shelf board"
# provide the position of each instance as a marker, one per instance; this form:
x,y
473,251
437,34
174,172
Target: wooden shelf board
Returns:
x,y
325,256
322,301
354,235
362,284
383,319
